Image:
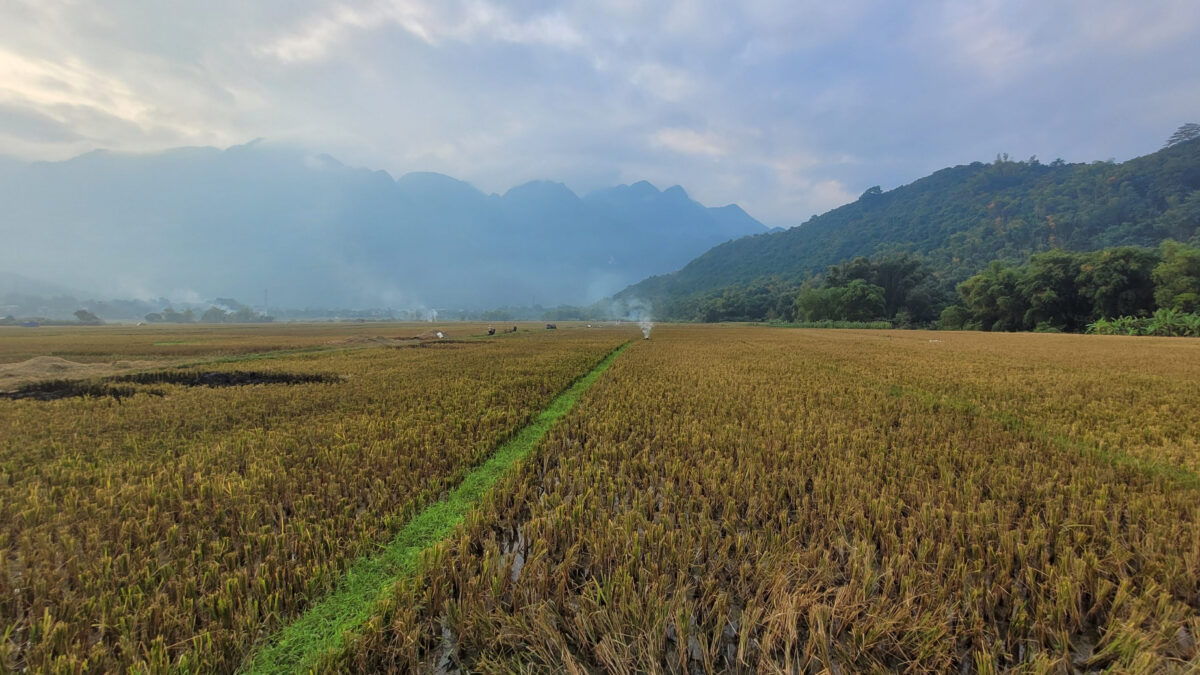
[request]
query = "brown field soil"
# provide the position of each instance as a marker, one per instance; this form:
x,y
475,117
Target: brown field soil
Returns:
x,y
12,375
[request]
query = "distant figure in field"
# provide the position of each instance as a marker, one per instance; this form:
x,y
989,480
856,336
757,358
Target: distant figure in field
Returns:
x,y
551,326
491,330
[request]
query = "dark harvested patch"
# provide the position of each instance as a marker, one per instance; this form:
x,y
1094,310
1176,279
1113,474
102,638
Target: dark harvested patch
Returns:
x,y
224,378
53,390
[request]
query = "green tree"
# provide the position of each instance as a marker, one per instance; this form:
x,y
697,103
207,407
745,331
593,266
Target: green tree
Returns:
x,y
901,277
1118,281
954,317
1050,293
817,304
843,273
87,317
861,301
242,315
993,298
213,315
1183,134
1177,278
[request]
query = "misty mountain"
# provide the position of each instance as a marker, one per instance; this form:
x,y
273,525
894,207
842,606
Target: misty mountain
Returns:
x,y
17,285
958,220
203,222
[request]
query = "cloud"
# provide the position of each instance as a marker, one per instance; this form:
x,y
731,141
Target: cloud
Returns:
x,y
318,35
49,84
800,194
786,107
689,142
663,81
430,22
34,127
1006,40
824,195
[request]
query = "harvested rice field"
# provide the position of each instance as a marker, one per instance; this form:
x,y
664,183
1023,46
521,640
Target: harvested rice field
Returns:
x,y
712,499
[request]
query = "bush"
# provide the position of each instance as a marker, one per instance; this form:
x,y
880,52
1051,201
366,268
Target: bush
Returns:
x,y
1165,323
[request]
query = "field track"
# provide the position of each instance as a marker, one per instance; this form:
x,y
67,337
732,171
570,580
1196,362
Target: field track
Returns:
x,y
369,580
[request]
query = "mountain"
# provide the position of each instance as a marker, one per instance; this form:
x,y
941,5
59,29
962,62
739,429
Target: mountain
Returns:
x,y
15,284
203,222
959,219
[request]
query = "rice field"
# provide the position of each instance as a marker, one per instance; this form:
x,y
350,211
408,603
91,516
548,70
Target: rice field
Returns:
x,y
721,499
771,500
174,527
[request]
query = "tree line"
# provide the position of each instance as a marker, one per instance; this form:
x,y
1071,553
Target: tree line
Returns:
x,y
1057,290
1071,291
213,314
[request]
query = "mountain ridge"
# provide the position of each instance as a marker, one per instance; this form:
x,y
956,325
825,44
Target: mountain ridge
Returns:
x,y
960,218
315,231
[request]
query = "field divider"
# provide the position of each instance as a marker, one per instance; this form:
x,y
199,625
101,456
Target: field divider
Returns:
x,y
369,580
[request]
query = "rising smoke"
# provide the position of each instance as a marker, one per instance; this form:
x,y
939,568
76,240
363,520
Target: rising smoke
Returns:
x,y
639,310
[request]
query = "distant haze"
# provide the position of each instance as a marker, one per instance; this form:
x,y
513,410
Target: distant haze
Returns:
x,y
198,223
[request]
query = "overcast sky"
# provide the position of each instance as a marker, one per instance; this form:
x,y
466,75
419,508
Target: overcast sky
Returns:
x,y
788,108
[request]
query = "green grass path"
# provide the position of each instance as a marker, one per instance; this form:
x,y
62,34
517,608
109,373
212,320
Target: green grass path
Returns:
x,y
323,628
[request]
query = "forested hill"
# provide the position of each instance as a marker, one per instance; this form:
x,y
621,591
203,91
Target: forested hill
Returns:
x,y
961,218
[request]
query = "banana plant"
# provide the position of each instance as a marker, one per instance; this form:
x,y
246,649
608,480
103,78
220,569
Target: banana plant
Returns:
x,y
1164,323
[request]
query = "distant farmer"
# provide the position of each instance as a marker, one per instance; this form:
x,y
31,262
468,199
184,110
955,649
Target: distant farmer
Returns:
x,y
491,330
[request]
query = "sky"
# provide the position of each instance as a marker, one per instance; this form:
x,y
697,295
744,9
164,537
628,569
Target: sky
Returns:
x,y
786,107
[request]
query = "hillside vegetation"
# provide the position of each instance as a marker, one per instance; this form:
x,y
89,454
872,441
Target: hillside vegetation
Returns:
x,y
958,220
1065,291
